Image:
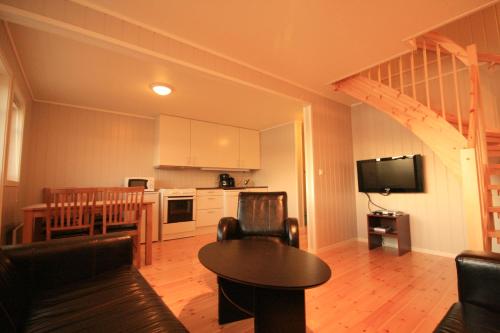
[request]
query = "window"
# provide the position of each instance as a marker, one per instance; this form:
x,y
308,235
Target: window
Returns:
x,y
16,127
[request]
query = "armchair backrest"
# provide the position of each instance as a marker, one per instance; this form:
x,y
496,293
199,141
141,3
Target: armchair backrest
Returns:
x,y
262,213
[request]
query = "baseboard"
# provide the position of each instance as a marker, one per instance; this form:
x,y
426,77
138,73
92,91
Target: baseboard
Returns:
x,y
418,249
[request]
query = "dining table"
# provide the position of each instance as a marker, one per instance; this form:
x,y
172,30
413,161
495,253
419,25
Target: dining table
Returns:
x,y
31,212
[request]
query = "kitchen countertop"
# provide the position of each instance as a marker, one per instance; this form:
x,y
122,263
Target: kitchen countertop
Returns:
x,y
229,188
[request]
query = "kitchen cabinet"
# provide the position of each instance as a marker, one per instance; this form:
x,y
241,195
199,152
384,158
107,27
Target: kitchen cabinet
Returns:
x,y
214,145
173,141
249,149
209,207
155,197
192,143
231,200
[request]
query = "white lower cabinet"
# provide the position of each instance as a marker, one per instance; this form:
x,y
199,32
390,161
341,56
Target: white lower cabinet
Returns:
x,y
209,207
208,217
212,205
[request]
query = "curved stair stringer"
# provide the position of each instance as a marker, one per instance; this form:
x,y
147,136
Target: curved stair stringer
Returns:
x,y
439,135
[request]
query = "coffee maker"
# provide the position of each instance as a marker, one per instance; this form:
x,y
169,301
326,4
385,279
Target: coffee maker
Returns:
x,y
224,180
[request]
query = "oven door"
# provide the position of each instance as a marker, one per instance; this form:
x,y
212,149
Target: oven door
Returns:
x,y
178,209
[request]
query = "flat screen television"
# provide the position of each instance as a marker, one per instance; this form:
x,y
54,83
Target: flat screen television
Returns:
x,y
400,174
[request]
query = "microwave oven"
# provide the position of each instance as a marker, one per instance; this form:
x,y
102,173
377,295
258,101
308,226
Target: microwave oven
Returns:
x,y
147,182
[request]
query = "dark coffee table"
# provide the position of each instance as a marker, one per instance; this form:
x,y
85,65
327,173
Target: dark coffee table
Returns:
x,y
265,280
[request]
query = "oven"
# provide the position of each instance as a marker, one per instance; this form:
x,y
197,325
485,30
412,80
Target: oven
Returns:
x,y
178,213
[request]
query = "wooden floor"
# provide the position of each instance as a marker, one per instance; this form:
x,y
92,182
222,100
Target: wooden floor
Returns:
x,y
374,291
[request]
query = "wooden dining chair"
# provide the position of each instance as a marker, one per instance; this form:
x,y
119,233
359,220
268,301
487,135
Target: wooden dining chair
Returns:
x,y
122,212
70,212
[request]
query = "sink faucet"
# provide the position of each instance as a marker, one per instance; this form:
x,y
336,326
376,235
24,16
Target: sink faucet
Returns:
x,y
246,181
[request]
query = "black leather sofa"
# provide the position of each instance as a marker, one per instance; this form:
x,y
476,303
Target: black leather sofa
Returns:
x,y
261,215
81,284
478,309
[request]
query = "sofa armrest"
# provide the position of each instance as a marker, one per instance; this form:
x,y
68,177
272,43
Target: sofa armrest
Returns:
x,y
292,231
228,228
479,279
58,262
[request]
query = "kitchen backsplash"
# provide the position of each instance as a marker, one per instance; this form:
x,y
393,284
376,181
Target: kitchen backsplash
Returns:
x,y
168,178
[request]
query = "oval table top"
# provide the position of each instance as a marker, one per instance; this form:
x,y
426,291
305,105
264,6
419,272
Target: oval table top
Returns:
x,y
265,264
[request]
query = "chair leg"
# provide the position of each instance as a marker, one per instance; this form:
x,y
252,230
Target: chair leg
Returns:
x,y
137,250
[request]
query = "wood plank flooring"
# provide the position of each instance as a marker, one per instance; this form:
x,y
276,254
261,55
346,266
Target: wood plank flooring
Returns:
x,y
370,291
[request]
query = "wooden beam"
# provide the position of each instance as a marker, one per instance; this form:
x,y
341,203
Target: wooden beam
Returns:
x,y
491,58
426,76
413,85
457,94
440,79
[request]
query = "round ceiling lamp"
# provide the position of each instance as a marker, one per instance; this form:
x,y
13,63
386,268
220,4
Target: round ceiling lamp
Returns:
x,y
161,89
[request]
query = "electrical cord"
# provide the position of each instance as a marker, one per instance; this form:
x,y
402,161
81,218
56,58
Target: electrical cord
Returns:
x,y
370,202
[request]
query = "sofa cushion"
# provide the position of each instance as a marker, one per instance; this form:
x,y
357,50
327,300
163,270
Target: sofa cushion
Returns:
x,y
115,301
14,297
463,317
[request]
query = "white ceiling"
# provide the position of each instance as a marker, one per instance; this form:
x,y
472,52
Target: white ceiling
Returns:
x,y
68,71
311,43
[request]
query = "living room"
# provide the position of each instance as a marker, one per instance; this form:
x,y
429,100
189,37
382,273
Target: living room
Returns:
x,y
292,113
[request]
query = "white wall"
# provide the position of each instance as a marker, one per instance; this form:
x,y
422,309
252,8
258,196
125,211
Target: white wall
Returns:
x,y
330,177
436,217
279,169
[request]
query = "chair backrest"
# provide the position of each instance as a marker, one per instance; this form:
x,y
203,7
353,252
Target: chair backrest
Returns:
x,y
69,209
262,213
122,206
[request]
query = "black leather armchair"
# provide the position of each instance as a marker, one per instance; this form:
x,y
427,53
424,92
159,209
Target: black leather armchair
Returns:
x,y
261,215
478,309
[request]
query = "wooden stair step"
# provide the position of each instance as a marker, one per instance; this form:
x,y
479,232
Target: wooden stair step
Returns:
x,y
494,187
494,209
493,153
493,133
494,168
494,148
494,234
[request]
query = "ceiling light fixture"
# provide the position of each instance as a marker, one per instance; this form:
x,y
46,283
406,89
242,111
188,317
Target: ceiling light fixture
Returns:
x,y
161,89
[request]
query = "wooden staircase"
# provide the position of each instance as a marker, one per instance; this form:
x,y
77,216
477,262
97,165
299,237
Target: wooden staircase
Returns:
x,y
402,88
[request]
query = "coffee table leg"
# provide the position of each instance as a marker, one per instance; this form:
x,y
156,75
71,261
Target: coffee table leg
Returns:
x,y
235,301
280,311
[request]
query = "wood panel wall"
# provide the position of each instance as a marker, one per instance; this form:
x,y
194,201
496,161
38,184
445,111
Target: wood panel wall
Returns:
x,y
483,29
71,147
335,212
10,193
436,216
74,147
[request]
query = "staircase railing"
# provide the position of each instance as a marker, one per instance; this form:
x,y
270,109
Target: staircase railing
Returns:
x,y
421,74
477,140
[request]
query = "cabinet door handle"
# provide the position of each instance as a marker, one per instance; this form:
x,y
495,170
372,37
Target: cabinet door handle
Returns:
x,y
211,198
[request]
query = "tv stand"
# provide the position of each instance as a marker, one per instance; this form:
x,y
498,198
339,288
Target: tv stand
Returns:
x,y
400,229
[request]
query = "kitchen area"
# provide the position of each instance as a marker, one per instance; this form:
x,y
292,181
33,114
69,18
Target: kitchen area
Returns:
x,y
201,167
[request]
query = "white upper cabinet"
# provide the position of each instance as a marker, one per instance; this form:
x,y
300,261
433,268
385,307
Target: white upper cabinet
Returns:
x,y
173,141
184,142
249,149
214,145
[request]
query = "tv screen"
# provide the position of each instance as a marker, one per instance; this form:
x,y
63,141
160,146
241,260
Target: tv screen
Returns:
x,y
401,174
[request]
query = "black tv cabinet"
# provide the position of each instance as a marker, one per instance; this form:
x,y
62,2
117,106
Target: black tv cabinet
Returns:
x,y
400,230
